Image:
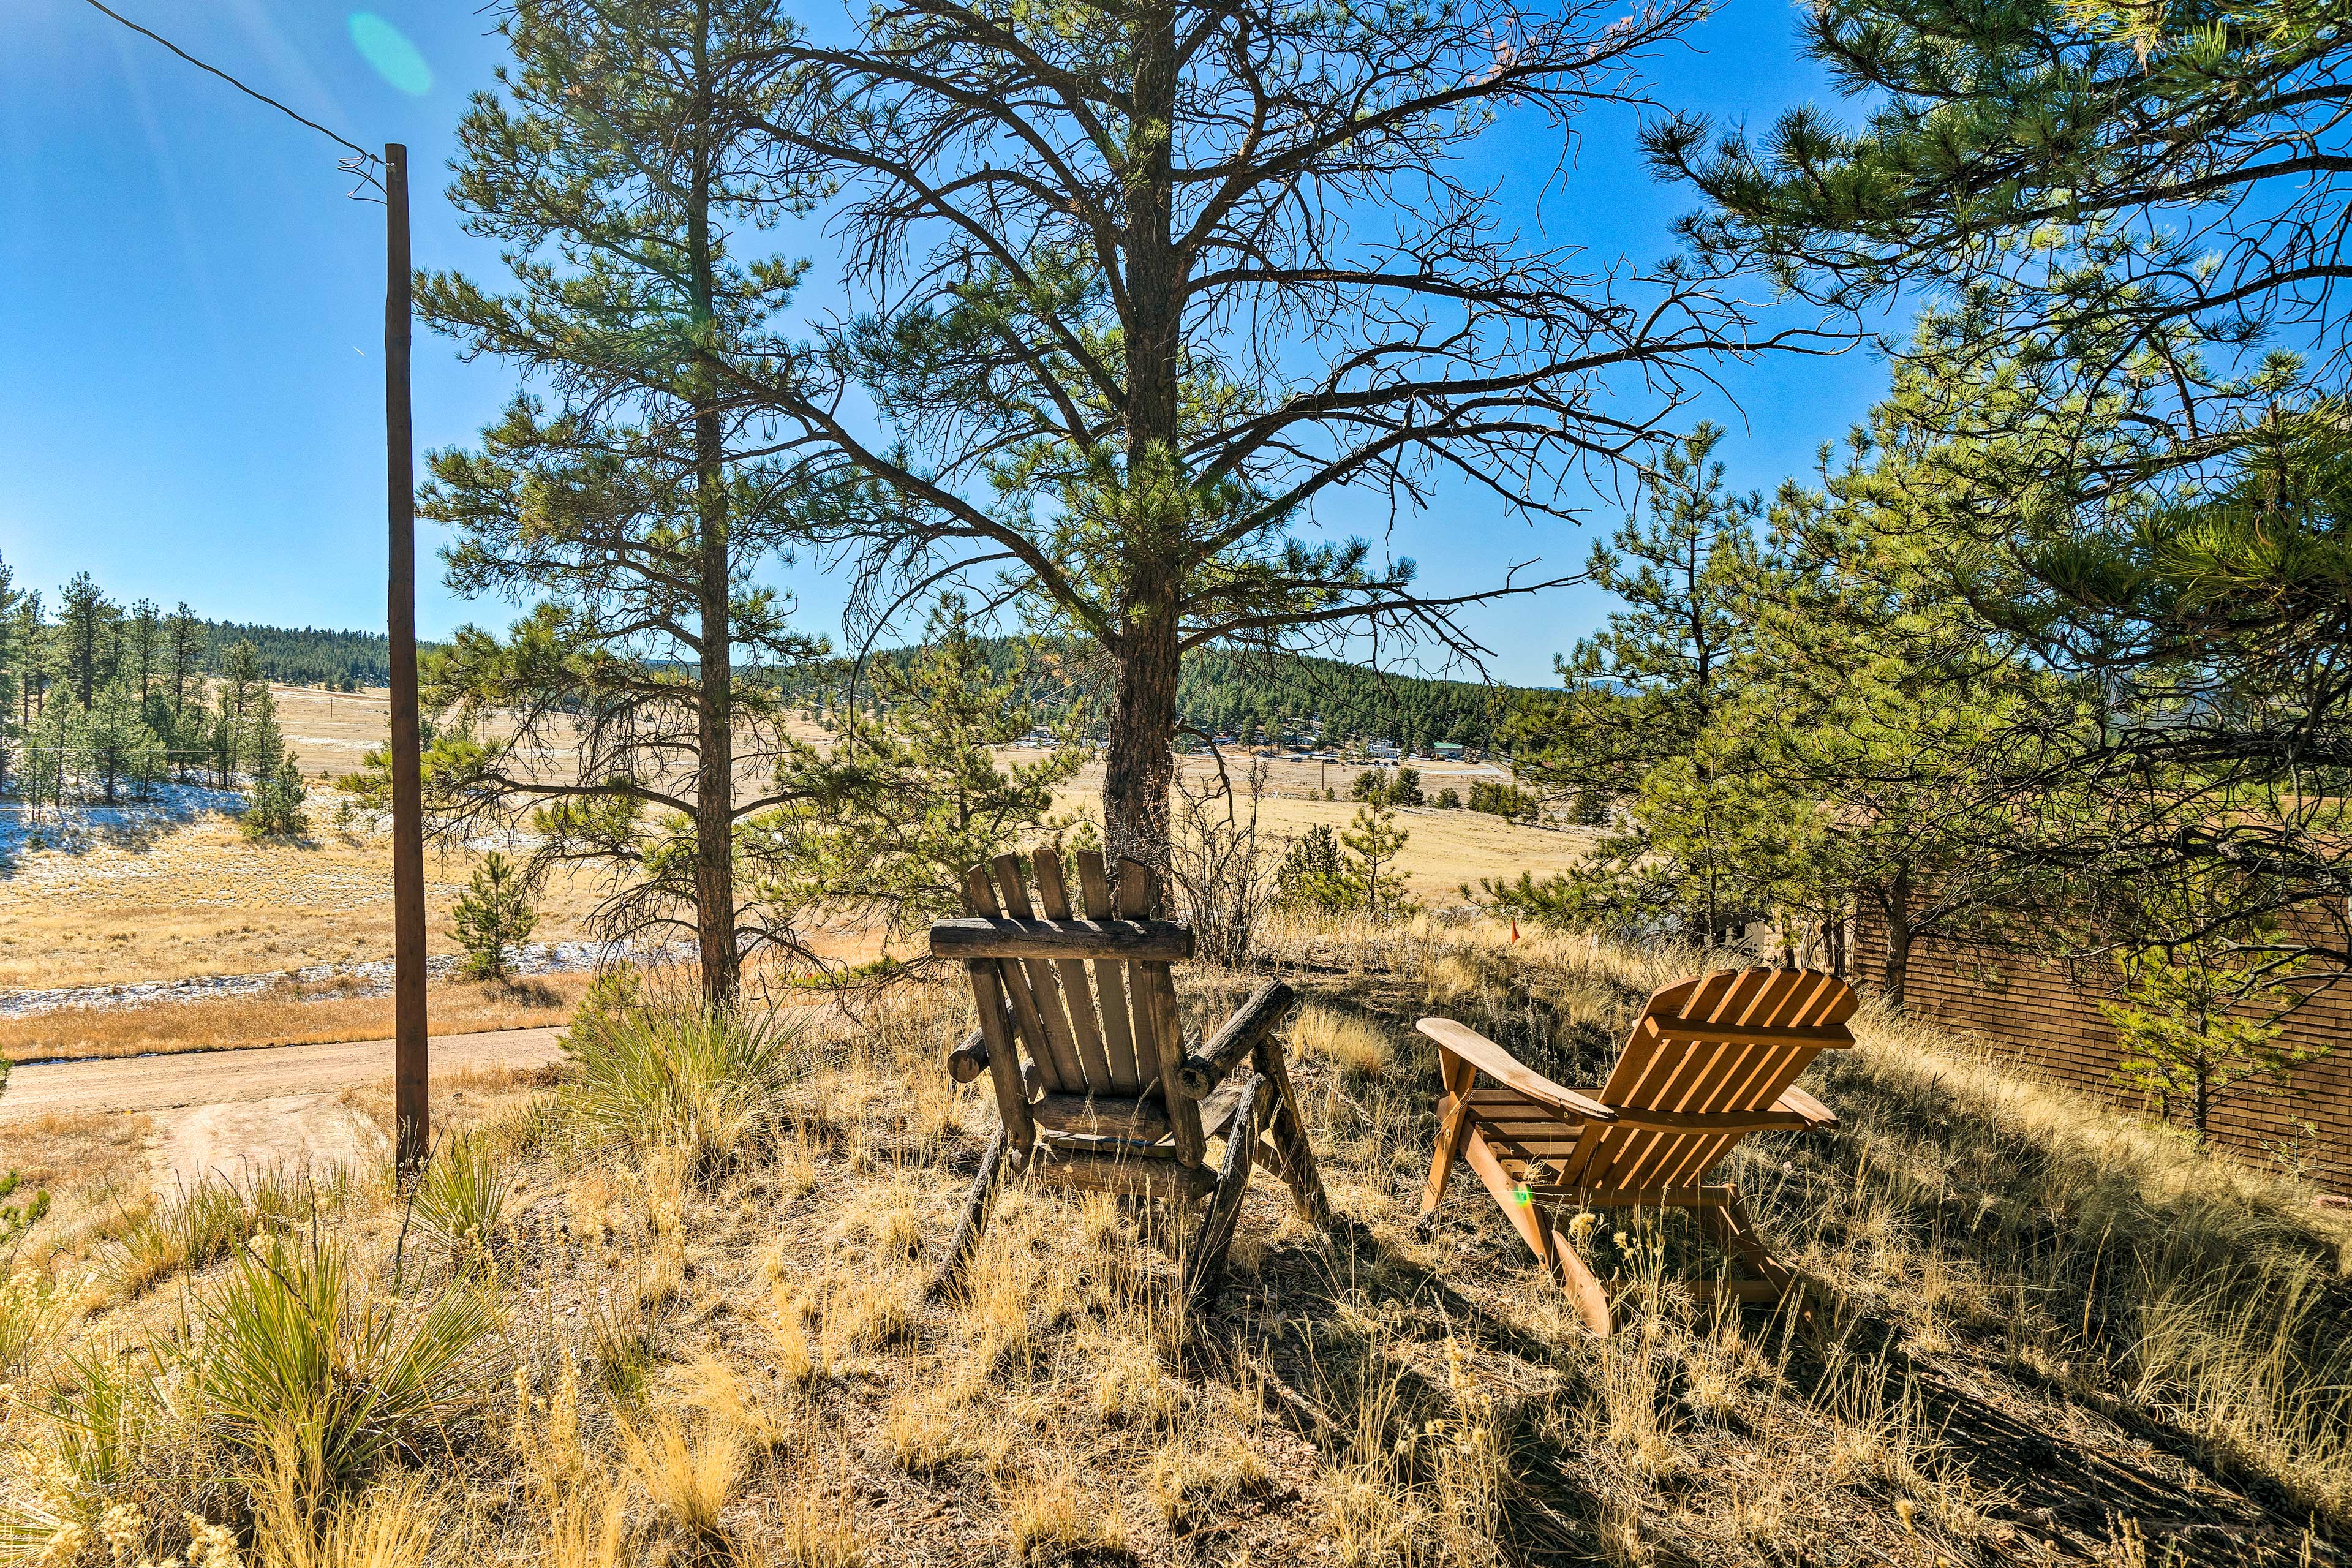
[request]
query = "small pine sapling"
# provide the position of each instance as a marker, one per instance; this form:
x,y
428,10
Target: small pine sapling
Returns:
x,y
2197,1029
493,918
1373,842
1313,874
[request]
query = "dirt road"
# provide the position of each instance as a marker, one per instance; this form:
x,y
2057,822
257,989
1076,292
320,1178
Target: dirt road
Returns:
x,y
212,1110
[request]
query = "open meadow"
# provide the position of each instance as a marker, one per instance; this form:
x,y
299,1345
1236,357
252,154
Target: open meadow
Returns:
x,y
606,1331
174,896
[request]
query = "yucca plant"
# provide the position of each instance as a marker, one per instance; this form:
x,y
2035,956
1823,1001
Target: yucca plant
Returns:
x,y
690,1078
297,1364
29,1316
462,1200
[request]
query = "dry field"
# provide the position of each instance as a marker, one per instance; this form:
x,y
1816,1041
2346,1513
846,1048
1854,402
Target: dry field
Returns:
x,y
691,1327
195,897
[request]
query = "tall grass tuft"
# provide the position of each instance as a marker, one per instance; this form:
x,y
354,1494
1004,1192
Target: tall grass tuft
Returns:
x,y
695,1079
301,1369
195,1226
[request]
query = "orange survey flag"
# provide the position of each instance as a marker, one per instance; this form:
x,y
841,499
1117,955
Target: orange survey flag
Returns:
x,y
1515,928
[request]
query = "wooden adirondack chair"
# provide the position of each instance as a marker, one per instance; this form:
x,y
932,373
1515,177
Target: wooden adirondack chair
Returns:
x,y
1094,1086
1709,1061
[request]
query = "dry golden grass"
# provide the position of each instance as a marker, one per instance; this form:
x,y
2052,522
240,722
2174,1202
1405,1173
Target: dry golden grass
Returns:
x,y
1347,1041
198,898
744,1367
1446,849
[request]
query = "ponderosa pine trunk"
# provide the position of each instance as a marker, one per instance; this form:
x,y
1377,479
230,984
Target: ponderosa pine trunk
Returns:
x,y
1139,763
714,788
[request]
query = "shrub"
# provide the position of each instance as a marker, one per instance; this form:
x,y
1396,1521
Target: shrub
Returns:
x,y
1449,799
1352,1042
18,1217
29,1316
684,1077
196,1225
1509,802
299,1369
1313,875
1223,866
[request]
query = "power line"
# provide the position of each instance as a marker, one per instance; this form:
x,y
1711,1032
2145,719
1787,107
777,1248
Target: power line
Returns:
x,y
365,159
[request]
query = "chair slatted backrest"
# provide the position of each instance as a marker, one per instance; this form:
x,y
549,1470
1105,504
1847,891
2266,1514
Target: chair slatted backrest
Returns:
x,y
1731,1041
1119,1038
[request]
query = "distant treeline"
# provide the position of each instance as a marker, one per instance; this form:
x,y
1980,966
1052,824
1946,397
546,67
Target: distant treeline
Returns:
x,y
1250,697
1295,697
306,655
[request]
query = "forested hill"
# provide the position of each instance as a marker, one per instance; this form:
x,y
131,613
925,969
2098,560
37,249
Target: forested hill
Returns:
x,y
1221,693
1246,695
307,656
1286,697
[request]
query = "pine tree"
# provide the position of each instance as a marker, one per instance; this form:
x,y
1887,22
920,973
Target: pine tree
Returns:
x,y
12,674
1373,842
911,795
1647,685
240,689
1313,875
275,797
118,742
85,619
1052,351
493,917
144,647
623,160
2198,1022
54,748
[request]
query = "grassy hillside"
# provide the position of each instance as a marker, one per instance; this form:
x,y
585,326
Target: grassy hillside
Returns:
x,y
616,1327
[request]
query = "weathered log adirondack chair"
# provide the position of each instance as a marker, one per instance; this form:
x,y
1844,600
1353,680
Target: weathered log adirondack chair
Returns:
x,y
1709,1061
1106,1095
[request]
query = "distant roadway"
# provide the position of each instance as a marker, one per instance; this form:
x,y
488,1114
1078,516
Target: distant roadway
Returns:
x,y
182,1081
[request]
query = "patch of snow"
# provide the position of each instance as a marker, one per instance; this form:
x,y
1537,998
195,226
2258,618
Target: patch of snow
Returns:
x,y
88,826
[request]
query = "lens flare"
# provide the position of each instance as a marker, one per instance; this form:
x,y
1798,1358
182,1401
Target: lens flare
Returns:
x,y
387,50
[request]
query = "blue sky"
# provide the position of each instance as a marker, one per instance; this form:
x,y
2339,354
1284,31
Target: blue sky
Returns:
x,y
191,310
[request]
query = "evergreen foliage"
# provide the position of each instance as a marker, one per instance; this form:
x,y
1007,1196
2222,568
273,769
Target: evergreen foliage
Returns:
x,y
1373,841
622,167
1313,875
493,917
274,799
910,797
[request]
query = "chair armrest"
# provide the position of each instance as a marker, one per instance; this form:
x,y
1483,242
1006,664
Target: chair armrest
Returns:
x,y
968,1059
1204,1068
1819,1118
1508,1071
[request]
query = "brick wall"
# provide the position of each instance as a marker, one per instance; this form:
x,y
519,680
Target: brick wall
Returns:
x,y
2045,1015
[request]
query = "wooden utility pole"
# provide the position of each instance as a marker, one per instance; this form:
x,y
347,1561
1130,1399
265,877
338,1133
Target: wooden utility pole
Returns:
x,y
411,1108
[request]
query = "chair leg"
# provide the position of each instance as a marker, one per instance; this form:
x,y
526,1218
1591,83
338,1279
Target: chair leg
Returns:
x,y
1733,1228
1559,1260
1206,1275
1288,1126
1583,1289
975,1213
1458,1076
